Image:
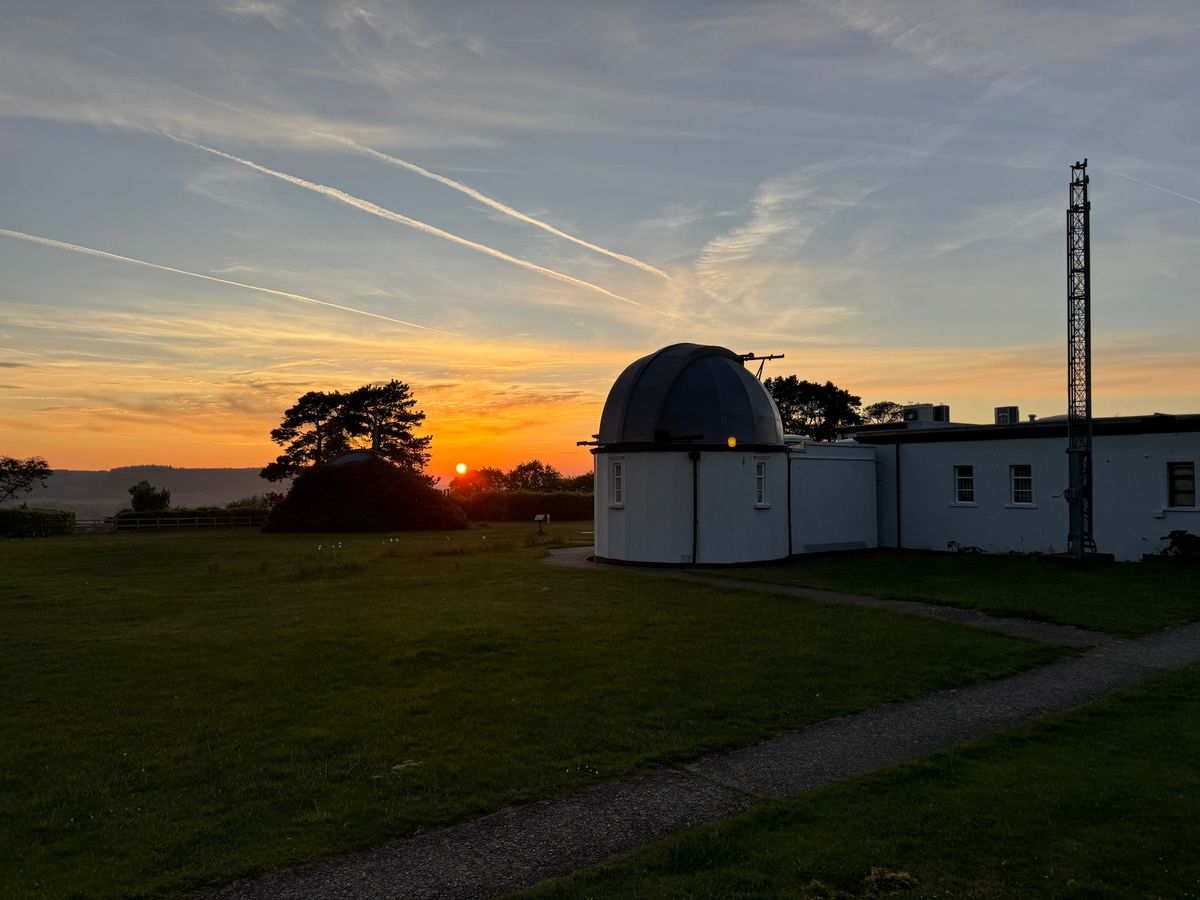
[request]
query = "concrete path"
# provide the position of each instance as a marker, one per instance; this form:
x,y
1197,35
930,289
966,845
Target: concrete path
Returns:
x,y
521,846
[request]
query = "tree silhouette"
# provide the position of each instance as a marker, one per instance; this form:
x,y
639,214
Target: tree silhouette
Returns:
x,y
815,410
384,415
313,432
885,412
471,482
534,475
18,476
144,497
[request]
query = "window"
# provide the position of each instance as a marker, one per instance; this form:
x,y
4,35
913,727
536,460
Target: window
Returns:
x,y
1181,484
964,484
1020,481
617,481
760,482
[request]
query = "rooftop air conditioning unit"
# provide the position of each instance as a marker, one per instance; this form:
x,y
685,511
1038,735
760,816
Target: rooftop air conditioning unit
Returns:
x,y
1008,415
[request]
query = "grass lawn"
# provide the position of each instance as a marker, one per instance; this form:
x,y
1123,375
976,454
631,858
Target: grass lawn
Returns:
x,y
1099,803
1127,599
180,709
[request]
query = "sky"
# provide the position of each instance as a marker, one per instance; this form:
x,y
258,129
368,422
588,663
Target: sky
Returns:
x,y
209,207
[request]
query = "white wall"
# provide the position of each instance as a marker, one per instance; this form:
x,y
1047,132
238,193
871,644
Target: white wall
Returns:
x,y
1129,494
833,498
655,522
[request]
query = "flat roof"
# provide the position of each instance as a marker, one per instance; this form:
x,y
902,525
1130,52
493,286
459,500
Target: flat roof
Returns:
x,y
900,433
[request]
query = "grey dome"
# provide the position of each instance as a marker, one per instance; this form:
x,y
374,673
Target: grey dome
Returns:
x,y
692,393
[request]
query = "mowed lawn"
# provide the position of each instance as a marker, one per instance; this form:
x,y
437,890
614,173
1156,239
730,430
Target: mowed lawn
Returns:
x,y
180,709
1129,599
1100,803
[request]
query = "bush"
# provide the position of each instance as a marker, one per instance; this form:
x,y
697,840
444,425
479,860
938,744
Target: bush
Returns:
x,y
522,506
1182,545
25,522
372,495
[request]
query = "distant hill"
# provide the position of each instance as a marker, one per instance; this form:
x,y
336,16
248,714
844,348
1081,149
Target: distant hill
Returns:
x,y
94,495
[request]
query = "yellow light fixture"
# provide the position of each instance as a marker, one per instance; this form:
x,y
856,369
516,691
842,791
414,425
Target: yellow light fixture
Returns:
x,y
732,442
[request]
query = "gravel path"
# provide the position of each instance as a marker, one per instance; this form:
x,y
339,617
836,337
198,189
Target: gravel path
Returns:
x,y
521,846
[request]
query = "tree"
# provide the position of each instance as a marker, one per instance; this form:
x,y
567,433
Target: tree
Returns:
x,y
534,475
471,482
385,415
18,476
313,432
583,484
885,412
371,495
815,410
144,497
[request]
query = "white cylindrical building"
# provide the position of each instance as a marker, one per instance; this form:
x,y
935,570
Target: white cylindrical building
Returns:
x,y
690,464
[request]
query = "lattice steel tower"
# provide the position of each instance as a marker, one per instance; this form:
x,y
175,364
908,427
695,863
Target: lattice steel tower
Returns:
x,y
1079,364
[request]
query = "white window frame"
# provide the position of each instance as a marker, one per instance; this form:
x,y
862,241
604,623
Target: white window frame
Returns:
x,y
762,499
958,484
1170,487
616,482
1012,485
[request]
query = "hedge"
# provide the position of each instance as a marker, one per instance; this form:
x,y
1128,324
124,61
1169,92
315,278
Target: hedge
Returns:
x,y
522,506
36,522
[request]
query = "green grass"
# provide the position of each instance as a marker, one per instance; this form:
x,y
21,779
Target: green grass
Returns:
x,y
1099,803
180,709
1129,599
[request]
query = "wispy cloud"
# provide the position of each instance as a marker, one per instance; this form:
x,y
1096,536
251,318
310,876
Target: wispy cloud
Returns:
x,y
378,211
496,204
784,213
1157,187
287,295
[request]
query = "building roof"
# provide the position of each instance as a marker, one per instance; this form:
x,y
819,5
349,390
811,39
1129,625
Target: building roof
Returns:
x,y
689,393
1050,427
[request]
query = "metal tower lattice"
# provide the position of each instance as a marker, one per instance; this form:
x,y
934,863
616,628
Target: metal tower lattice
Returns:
x,y
1079,364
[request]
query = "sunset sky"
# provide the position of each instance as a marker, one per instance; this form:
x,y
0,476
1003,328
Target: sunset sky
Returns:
x,y
503,204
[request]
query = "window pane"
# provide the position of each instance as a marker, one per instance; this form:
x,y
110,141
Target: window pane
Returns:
x,y
1021,477
964,484
1182,484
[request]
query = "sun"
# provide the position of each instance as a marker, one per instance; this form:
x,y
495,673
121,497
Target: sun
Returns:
x,y
461,468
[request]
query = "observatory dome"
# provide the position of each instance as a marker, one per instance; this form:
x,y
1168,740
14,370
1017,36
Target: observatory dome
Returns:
x,y
689,393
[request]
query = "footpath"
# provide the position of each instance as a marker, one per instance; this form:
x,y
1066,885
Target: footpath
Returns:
x,y
520,846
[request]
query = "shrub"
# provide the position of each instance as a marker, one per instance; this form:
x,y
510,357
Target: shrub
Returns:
x,y
372,495
522,506
23,522
1182,545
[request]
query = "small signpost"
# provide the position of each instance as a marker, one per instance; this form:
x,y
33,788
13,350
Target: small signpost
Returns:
x,y
542,519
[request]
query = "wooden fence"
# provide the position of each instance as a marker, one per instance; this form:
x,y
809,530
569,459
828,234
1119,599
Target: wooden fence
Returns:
x,y
133,523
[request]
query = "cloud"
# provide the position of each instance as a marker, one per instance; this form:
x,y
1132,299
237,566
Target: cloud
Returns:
x,y
388,215
497,205
274,11
784,213
287,295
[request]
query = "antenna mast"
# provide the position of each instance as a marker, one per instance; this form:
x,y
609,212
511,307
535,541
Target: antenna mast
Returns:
x,y
1079,364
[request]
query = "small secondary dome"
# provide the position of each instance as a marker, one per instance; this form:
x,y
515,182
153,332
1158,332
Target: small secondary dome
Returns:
x,y
689,393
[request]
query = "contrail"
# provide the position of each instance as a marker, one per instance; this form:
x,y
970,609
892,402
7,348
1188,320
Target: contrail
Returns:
x,y
374,209
1156,187
491,202
89,251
